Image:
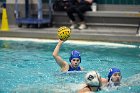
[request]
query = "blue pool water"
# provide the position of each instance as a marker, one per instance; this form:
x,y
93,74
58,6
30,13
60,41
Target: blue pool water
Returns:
x,y
28,66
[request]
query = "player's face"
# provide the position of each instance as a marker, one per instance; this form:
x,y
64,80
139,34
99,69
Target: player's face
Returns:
x,y
75,62
116,77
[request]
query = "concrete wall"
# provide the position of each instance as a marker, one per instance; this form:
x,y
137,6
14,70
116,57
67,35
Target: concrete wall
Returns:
x,y
111,7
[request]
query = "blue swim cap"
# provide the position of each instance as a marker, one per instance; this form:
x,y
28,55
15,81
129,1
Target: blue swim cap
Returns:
x,y
75,54
112,71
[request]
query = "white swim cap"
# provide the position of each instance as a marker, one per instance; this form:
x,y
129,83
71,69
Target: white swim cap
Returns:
x,y
92,78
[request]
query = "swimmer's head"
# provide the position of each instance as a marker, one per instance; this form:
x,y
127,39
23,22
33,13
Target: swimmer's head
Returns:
x,y
92,79
114,75
75,54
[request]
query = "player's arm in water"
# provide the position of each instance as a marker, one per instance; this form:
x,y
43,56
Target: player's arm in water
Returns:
x,y
88,89
85,90
63,64
104,81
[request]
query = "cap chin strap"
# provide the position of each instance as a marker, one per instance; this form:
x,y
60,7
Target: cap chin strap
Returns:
x,y
94,86
111,84
98,87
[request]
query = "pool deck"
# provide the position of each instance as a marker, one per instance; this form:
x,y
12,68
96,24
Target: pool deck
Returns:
x,y
87,35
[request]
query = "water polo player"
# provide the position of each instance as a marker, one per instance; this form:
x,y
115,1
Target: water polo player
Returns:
x,y
75,59
93,82
114,77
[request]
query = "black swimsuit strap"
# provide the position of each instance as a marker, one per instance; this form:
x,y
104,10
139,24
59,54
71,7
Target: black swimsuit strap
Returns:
x,y
89,88
98,88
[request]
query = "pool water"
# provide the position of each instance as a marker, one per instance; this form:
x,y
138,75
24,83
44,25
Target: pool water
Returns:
x,y
28,66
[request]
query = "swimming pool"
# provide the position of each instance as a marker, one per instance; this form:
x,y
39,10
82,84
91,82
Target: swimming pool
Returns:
x,y
27,66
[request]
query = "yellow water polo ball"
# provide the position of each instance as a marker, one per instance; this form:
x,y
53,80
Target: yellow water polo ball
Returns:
x,y
64,33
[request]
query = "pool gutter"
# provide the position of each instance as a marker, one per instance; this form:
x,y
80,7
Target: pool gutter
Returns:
x,y
51,33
